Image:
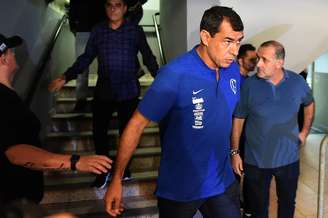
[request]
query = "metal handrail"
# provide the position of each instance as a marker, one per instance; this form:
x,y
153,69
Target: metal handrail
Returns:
x,y
44,60
321,183
159,40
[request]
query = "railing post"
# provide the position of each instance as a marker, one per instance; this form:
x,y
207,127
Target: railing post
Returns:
x,y
321,183
159,41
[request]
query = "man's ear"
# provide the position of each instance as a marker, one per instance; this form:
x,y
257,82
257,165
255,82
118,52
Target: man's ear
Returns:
x,y
280,63
240,61
3,60
125,9
205,36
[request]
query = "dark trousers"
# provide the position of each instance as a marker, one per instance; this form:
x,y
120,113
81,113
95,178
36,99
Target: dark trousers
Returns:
x,y
102,115
258,182
225,205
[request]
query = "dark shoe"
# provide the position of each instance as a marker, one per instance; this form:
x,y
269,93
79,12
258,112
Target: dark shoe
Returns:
x,y
127,175
80,106
247,215
101,181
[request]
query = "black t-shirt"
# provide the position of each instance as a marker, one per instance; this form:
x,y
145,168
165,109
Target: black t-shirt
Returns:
x,y
18,125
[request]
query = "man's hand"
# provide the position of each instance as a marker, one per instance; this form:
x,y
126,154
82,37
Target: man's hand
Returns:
x,y
57,84
113,198
94,164
302,136
237,164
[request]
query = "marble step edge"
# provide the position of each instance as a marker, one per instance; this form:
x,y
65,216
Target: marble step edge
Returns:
x,y
75,115
73,99
148,130
92,207
73,182
148,212
92,83
78,192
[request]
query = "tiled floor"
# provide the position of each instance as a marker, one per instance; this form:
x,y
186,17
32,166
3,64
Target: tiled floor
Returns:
x,y
306,200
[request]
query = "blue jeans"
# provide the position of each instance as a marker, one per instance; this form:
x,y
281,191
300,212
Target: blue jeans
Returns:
x,y
258,184
225,205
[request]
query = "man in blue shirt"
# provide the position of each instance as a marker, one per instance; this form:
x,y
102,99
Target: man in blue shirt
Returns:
x,y
193,99
270,102
247,59
116,43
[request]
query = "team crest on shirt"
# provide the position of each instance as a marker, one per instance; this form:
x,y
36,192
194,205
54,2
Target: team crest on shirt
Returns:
x,y
233,85
198,110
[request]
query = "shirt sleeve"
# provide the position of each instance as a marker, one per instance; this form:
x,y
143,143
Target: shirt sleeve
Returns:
x,y
241,110
85,59
148,58
161,96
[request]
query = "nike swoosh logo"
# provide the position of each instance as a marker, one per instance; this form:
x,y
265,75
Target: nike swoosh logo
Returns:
x,y
196,92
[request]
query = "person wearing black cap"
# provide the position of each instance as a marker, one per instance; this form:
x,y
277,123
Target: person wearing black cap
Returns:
x,y
21,158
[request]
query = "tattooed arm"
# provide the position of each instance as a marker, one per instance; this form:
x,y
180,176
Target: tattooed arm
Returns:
x,y
38,159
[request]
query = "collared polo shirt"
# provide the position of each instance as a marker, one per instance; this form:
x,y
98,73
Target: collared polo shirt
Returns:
x,y
195,115
271,126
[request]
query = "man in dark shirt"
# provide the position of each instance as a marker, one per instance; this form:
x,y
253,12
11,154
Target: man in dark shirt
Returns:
x,y
115,43
247,60
21,157
81,26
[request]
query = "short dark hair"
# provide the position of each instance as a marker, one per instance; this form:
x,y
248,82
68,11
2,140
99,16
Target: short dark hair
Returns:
x,y
213,17
279,48
125,2
243,50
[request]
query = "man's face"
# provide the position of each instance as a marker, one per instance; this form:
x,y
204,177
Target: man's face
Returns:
x,y
10,60
223,47
268,64
115,10
248,62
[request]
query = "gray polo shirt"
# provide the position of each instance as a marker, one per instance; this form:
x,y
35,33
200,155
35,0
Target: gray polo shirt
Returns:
x,y
271,126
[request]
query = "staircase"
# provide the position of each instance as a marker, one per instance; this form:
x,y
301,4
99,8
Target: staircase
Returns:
x,y
72,133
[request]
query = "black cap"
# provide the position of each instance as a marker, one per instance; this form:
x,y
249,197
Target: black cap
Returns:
x,y
9,42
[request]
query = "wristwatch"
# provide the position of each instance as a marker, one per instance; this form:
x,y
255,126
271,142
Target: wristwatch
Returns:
x,y
74,159
234,152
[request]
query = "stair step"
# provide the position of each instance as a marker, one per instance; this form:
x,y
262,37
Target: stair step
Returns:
x,y
69,89
83,142
89,133
70,190
67,104
134,206
144,81
84,180
78,122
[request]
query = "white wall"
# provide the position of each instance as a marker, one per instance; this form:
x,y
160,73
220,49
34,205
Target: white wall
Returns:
x,y
34,22
321,64
152,5
195,10
174,27
299,24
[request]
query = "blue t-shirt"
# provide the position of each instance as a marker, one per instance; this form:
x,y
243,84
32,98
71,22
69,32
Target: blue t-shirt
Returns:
x,y
195,115
271,126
